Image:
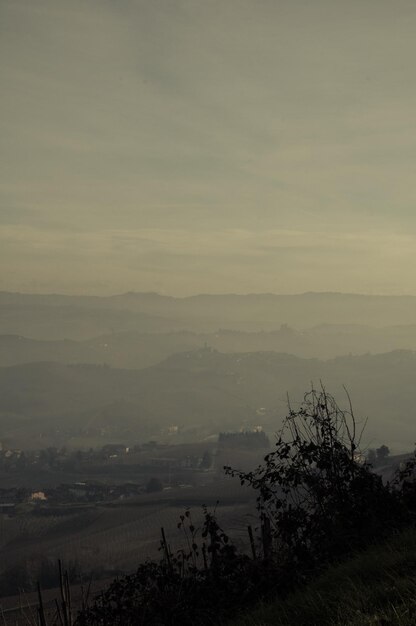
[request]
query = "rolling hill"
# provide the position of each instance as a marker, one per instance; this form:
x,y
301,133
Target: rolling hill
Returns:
x,y
203,391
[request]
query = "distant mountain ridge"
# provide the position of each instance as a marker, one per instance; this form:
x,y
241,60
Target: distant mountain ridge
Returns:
x,y
82,317
135,349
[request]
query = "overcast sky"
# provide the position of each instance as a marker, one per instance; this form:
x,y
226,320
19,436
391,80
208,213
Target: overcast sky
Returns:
x,y
188,146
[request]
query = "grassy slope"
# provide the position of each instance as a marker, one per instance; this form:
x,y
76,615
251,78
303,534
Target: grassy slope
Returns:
x,y
376,587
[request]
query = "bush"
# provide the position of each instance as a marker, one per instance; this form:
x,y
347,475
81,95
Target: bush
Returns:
x,y
196,585
319,499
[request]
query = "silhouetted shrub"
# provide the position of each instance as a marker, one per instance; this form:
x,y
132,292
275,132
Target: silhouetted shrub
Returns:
x,y
196,585
320,499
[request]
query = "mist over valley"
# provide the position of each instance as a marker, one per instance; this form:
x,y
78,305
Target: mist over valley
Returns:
x,y
136,384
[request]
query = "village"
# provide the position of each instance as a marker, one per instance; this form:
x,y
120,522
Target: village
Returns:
x,y
45,480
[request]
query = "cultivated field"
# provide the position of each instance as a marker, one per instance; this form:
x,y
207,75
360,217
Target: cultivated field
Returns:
x,y
115,537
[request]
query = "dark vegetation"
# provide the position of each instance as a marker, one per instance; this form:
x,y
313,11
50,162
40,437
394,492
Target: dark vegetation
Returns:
x,y
38,570
376,587
318,501
320,498
378,456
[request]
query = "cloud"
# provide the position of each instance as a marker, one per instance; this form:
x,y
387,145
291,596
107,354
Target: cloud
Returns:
x,y
230,133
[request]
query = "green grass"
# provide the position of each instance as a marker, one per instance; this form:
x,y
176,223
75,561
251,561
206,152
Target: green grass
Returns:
x,y
376,587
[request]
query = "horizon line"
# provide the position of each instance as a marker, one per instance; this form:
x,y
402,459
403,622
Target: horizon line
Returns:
x,y
207,294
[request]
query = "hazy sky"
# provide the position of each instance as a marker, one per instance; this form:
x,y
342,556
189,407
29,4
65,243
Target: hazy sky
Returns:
x,y
189,146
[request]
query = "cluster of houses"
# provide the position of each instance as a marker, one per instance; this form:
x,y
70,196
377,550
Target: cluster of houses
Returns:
x,y
67,494
9,453
12,459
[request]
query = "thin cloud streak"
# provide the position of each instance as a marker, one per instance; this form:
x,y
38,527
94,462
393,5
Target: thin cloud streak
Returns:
x,y
175,260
